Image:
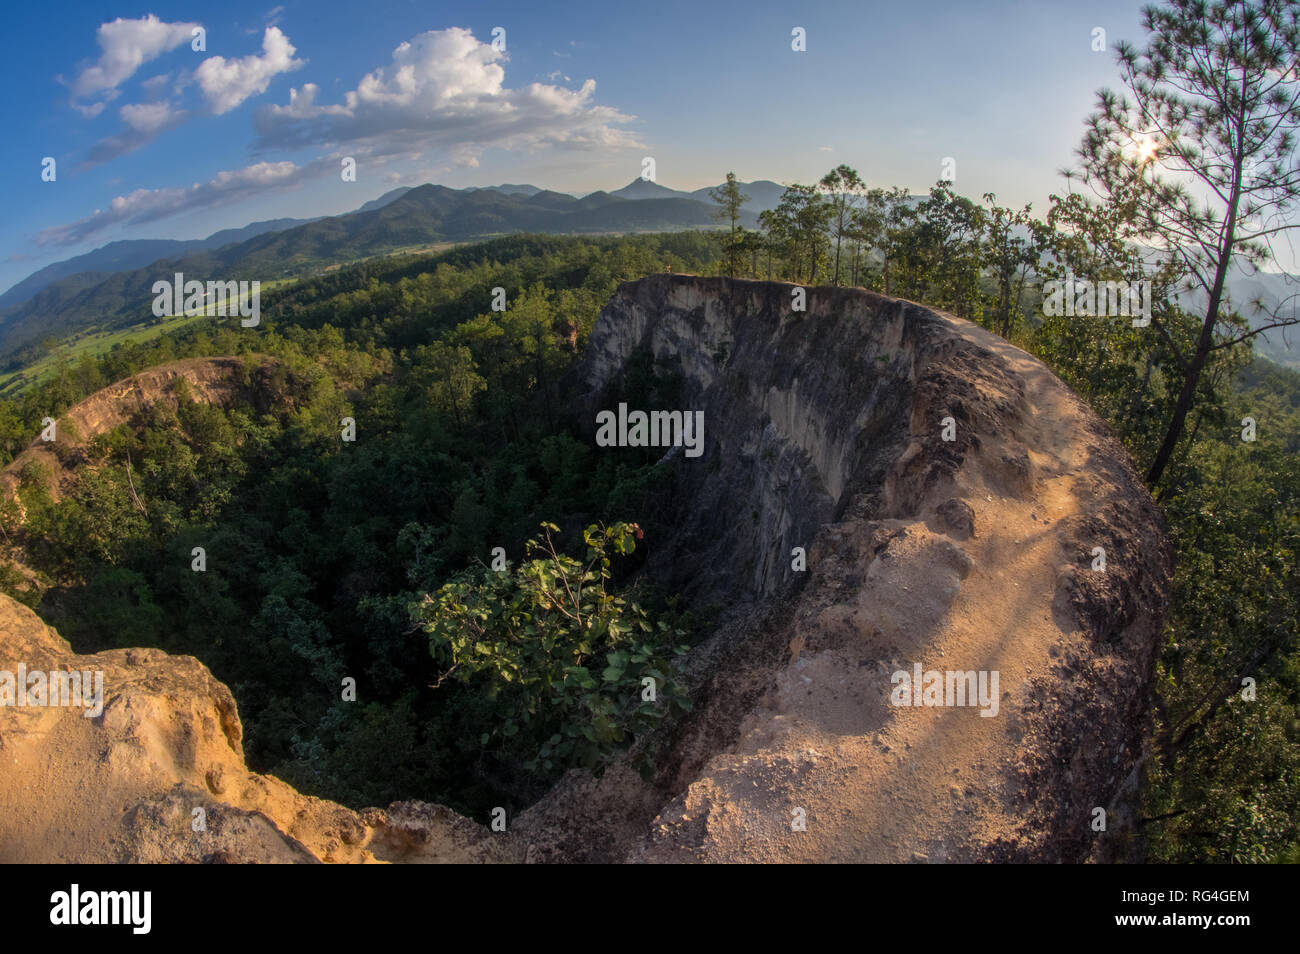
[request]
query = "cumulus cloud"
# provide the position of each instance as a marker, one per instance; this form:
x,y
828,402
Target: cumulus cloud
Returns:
x,y
148,205
227,83
127,45
148,117
155,85
145,122
444,89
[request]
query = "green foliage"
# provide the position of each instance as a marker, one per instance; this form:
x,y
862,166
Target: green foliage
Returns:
x,y
942,250
797,230
729,199
1010,258
1225,781
318,551
558,653
843,188
1200,164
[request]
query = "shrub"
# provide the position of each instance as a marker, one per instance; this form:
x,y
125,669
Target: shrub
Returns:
x,y
572,670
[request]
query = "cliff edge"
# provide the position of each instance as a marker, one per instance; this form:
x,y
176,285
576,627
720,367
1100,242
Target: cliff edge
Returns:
x,y
884,491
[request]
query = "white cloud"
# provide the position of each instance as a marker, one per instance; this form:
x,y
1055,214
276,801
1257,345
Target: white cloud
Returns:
x,y
444,89
91,111
154,85
145,122
227,83
147,205
149,118
126,46
224,83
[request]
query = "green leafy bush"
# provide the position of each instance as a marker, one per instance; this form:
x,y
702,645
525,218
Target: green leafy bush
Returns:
x,y
572,669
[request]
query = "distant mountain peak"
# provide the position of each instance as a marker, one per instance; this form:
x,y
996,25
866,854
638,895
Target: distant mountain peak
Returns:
x,y
640,188
384,199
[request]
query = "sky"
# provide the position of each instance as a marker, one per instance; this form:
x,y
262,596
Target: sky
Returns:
x,y
153,138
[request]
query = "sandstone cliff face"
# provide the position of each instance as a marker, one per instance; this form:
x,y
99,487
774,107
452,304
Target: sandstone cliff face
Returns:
x,y
159,775
823,430
219,381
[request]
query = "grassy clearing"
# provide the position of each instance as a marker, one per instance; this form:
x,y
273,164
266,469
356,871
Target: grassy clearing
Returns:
x,y
94,343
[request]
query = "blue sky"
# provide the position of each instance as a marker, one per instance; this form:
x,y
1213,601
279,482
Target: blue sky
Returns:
x,y
153,139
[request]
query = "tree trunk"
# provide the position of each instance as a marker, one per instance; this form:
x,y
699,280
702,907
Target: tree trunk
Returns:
x,y
839,235
731,251
1191,378
1204,343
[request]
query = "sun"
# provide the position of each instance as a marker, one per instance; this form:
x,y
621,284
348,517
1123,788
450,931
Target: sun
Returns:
x,y
1147,150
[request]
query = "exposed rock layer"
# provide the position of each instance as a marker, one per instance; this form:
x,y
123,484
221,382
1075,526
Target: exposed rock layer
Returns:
x,y
220,381
823,430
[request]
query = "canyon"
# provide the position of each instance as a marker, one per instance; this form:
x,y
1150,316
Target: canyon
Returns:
x,y
824,437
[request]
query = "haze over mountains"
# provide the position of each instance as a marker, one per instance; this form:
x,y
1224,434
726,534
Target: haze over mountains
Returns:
x,y
111,285
133,253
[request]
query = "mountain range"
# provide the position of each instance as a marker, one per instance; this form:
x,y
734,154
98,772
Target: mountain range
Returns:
x,y
133,253
111,285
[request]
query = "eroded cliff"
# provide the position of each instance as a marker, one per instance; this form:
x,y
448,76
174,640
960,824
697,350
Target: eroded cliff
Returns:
x,y
824,430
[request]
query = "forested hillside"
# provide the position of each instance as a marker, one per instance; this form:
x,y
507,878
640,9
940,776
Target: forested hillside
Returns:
x,y
416,219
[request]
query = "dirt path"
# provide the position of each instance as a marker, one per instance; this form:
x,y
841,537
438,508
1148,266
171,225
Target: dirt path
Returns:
x,y
883,783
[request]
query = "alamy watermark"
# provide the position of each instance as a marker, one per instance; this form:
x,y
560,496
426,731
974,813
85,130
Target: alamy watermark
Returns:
x,y
38,688
651,429
935,687
1080,297
191,298
130,908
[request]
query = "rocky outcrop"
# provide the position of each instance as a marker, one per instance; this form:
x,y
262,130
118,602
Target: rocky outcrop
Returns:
x,y
825,430
158,774
882,487
219,381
